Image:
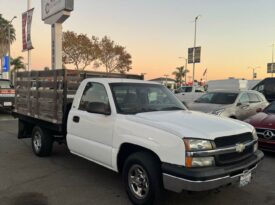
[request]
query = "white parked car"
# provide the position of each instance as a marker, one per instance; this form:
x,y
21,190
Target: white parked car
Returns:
x,y
234,104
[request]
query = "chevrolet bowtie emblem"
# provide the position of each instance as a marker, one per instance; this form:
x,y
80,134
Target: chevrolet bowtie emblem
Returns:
x,y
240,147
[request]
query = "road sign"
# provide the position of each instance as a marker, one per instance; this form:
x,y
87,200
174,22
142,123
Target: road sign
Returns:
x,y
6,64
270,68
194,55
52,7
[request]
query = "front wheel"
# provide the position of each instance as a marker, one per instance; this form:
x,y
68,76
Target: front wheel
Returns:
x,y
142,179
42,142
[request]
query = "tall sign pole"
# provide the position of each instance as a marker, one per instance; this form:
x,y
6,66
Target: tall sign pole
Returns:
x,y
54,13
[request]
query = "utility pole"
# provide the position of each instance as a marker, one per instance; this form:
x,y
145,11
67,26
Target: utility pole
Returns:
x,y
29,51
272,60
195,41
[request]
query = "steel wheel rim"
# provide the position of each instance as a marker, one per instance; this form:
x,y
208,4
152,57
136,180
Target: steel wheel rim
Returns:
x,y
37,141
138,181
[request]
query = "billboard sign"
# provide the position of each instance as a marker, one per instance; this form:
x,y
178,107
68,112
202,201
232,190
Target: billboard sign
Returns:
x,y
5,64
270,68
194,55
52,7
26,30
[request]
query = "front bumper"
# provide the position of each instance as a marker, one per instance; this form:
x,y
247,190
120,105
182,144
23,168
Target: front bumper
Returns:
x,y
178,178
267,145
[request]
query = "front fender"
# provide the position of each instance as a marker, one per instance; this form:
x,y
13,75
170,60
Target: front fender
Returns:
x,y
168,147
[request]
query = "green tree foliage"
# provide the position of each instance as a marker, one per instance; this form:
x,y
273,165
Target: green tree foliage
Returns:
x,y
180,73
79,50
17,64
114,57
4,35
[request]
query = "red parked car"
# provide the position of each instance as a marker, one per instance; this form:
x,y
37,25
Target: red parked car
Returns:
x,y
264,122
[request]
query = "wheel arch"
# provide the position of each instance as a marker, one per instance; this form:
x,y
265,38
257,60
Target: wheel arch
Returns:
x,y
126,149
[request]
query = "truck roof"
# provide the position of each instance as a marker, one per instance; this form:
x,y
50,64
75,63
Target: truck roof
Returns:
x,y
119,80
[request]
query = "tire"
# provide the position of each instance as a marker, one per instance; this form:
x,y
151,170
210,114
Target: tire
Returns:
x,y
148,169
42,142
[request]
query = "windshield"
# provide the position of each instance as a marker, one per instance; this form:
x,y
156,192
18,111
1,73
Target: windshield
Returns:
x,y
218,98
133,98
5,84
270,108
186,89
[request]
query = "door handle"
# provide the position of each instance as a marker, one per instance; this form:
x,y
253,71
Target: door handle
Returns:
x,y
76,119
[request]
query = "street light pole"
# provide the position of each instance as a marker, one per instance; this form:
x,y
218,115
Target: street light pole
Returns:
x,y
195,39
272,60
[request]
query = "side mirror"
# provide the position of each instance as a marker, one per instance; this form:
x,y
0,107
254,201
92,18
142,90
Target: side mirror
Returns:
x,y
259,110
98,108
239,104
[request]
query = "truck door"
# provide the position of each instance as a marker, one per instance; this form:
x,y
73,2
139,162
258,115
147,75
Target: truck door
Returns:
x,y
90,134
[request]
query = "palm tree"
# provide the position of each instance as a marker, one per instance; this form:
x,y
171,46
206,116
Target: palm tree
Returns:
x,y
17,64
180,73
5,26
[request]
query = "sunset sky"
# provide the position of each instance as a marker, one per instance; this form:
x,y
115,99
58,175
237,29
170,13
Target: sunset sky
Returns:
x,y
233,34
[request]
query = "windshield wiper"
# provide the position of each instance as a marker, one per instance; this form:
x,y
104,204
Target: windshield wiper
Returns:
x,y
171,108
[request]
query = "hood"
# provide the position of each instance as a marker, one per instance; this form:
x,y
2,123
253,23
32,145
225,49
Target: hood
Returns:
x,y
262,120
206,107
191,124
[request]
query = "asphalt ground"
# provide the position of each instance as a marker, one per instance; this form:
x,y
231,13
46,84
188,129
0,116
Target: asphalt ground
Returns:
x,y
65,179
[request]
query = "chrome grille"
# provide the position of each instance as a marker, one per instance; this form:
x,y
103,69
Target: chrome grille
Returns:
x,y
266,134
230,158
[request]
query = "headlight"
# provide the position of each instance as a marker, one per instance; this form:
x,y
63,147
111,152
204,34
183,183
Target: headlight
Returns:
x,y
218,112
199,161
255,137
193,145
254,133
197,145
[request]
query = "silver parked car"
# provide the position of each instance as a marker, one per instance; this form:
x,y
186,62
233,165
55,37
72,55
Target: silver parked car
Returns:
x,y
239,105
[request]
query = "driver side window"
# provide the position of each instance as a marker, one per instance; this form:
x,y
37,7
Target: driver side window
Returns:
x,y
244,99
93,92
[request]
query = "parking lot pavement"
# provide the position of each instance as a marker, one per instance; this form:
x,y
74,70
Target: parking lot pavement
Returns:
x,y
67,179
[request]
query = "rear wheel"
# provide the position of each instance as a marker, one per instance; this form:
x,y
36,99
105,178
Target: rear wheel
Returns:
x,y
142,178
42,142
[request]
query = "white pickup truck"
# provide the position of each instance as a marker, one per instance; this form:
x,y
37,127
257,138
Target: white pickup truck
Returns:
x,y
140,129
